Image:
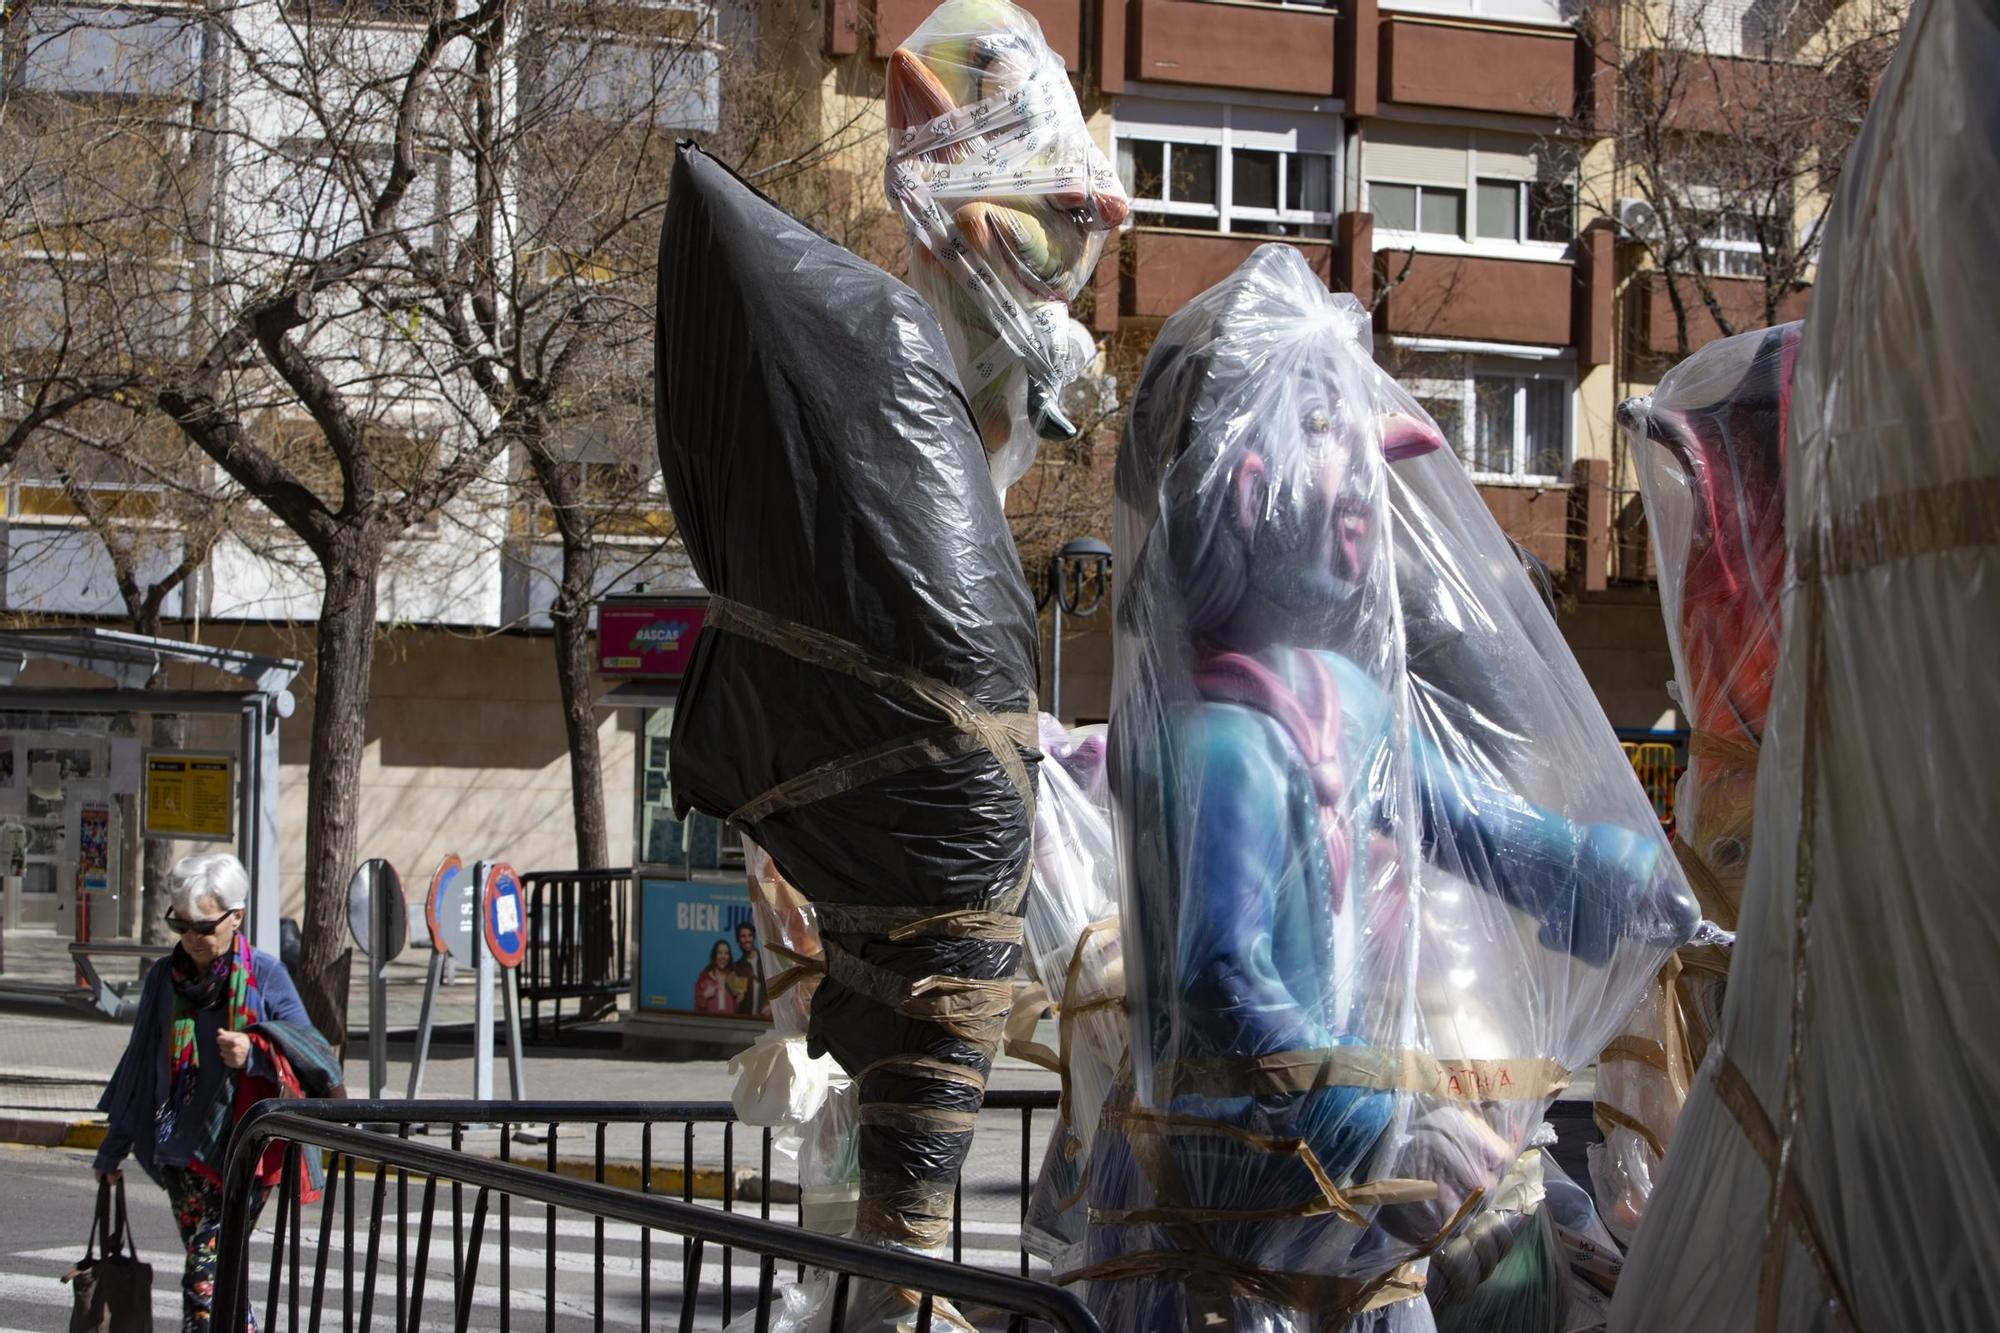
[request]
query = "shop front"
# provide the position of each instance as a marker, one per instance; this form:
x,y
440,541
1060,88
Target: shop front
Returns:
x,y
699,981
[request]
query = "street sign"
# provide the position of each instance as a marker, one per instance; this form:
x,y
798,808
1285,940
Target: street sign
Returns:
x,y
451,910
377,888
505,917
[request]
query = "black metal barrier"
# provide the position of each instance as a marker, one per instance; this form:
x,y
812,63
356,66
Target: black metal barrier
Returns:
x,y
578,927
363,1139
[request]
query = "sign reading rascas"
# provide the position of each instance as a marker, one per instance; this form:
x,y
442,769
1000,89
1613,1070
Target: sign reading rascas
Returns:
x,y
652,637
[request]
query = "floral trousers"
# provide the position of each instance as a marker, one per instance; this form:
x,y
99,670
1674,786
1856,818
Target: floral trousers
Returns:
x,y
197,1205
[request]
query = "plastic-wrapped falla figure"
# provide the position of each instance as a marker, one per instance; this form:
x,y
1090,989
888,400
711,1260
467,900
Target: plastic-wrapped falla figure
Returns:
x,y
1007,202
1710,444
1387,873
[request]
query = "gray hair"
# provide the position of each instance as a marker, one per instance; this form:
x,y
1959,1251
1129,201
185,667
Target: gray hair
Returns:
x,y
217,877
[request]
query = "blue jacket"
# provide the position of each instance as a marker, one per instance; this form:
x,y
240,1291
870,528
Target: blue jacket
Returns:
x,y
138,1088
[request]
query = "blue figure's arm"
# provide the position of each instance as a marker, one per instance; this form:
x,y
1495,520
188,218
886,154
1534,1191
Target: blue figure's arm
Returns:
x,y
1233,994
1585,883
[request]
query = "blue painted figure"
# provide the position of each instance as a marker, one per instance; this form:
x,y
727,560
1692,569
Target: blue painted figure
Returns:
x,y
1381,870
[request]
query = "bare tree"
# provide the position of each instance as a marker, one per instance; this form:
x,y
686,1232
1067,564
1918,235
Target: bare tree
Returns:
x,y
398,242
1730,128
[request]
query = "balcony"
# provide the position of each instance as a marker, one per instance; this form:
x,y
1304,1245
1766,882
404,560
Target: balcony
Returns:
x,y
1476,298
1233,44
1162,270
1061,20
1431,62
1741,300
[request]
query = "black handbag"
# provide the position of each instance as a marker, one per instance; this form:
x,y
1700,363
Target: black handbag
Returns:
x,y
113,1294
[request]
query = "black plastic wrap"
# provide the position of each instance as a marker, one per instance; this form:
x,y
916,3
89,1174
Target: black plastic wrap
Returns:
x,y
871,637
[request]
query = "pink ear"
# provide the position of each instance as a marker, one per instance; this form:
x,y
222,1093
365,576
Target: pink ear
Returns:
x,y
1250,484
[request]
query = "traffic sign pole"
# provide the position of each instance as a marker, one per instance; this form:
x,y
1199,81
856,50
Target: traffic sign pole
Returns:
x,y
503,937
440,906
482,1005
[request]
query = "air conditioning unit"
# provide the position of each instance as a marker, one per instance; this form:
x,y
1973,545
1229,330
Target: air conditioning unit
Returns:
x,y
1638,220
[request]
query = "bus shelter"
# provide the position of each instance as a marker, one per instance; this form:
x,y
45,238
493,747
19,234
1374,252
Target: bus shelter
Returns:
x,y
76,765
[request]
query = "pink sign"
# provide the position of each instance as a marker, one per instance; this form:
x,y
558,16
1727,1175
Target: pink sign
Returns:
x,y
648,637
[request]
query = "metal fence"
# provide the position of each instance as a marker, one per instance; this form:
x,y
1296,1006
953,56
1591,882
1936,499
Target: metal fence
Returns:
x,y
534,1247
578,927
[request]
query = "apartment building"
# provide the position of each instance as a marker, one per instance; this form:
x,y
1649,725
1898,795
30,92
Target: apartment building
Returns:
x,y
1460,166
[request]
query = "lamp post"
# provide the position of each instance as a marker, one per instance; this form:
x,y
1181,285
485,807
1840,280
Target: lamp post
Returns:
x,y
1079,580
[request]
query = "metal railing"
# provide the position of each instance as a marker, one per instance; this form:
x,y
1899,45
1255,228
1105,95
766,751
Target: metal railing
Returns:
x,y
579,922
374,1138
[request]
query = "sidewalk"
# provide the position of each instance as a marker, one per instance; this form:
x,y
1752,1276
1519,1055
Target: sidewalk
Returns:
x,y
54,1063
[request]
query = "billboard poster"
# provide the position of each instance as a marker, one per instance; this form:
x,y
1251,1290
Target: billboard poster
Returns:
x,y
653,638
698,950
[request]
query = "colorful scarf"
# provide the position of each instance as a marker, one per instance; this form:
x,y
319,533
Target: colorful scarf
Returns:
x,y
230,980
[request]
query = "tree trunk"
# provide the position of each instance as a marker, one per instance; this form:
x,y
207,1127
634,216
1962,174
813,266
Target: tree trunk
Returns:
x,y
343,662
574,667
571,616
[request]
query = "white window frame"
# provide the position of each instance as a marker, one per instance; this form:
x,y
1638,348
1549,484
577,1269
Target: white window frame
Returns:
x,y
1468,242
1713,250
1528,13
1461,388
1227,136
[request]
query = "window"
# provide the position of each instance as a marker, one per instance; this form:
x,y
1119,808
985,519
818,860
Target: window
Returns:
x,y
1210,167
1511,210
1425,208
1726,246
1170,180
1475,186
1506,423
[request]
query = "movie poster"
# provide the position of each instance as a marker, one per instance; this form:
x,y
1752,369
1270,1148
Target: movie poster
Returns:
x,y
699,952
93,848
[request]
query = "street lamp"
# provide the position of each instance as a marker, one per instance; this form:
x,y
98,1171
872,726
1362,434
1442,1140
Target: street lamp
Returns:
x,y
1079,581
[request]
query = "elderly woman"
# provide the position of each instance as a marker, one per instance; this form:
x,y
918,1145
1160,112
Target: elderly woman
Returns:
x,y
220,1027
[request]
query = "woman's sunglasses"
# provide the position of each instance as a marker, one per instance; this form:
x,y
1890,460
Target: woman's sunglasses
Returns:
x,y
180,925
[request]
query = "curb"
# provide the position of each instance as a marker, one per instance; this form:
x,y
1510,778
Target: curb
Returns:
x,y
709,1183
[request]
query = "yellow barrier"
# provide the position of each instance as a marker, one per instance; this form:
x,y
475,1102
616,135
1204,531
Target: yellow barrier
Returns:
x,y
1656,764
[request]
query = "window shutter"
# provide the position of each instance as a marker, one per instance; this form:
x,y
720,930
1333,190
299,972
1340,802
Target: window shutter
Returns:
x,y
1429,155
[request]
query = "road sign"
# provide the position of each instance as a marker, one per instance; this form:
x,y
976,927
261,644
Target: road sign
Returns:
x,y
505,917
451,910
377,888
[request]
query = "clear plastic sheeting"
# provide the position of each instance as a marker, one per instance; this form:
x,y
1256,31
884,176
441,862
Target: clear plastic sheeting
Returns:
x,y
1075,956
1710,447
1006,201
1834,1168
1387,876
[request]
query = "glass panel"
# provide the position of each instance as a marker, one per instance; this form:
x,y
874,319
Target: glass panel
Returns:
x,y
1309,182
1449,414
1192,178
1142,167
1493,423
1395,206
1500,210
1551,211
1253,178
1548,450
112,51
1444,211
